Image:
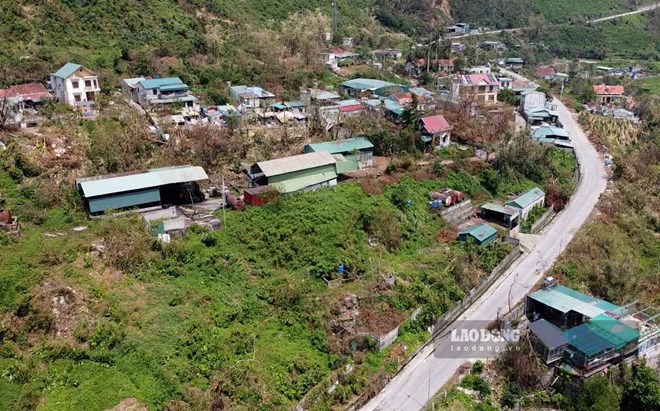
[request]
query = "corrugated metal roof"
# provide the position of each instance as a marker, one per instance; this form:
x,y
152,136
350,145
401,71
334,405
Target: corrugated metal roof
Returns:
x,y
586,340
500,209
366,84
526,199
297,184
174,87
436,124
550,335
286,165
563,299
545,132
613,330
66,70
256,91
133,81
341,146
420,92
104,185
323,94
480,232
161,82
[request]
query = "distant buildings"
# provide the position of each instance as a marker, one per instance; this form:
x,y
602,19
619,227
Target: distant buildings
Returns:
x,y
458,29
159,92
363,87
75,85
303,172
251,98
493,46
358,151
21,101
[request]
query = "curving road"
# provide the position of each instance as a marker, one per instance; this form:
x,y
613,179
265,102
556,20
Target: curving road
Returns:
x,y
412,388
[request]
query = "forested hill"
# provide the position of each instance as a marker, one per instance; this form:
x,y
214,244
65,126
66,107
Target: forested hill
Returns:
x,y
206,40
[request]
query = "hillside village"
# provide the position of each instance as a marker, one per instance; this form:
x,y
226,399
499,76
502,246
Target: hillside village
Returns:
x,y
328,229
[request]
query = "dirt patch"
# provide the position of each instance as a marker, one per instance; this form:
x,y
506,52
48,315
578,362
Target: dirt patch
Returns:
x,y
379,320
129,404
445,235
66,306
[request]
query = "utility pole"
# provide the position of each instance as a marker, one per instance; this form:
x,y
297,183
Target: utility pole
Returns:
x,y
334,16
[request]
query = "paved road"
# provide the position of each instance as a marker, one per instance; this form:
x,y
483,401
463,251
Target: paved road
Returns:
x,y
616,16
426,374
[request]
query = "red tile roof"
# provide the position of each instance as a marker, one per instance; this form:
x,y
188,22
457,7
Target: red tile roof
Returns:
x,y
546,71
348,109
436,124
30,91
609,90
475,79
403,98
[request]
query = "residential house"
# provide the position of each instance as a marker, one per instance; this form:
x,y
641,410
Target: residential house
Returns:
x,y
458,47
347,42
532,99
482,88
523,86
223,115
425,98
493,46
363,87
552,135
458,29
547,73
303,172
597,334
351,153
514,63
129,87
436,130
610,94
317,97
163,92
505,83
19,103
387,54
75,85
251,98
481,234
527,201
541,115
343,57
154,187
479,70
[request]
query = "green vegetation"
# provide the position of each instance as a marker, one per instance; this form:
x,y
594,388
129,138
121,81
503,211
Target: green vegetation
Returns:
x,y
559,11
534,215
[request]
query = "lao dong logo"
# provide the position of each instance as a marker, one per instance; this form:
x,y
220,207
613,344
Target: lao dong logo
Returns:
x,y
474,339
482,335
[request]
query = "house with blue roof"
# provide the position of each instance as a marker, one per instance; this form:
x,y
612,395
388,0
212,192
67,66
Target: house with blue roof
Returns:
x,y
163,92
365,87
527,201
75,85
358,152
481,234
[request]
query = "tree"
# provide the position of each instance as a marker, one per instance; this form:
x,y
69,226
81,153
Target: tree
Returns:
x,y
410,117
642,390
598,394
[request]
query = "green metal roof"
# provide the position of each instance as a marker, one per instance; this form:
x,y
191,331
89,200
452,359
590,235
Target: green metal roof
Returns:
x,y
563,299
174,87
294,104
161,82
67,70
279,106
500,209
514,60
586,340
616,332
526,199
111,184
341,146
297,184
542,132
480,232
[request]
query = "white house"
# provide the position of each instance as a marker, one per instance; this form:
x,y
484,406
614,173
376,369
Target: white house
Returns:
x,y
161,92
74,85
527,201
532,99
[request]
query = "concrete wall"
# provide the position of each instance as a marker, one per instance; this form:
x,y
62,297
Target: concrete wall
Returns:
x,y
458,214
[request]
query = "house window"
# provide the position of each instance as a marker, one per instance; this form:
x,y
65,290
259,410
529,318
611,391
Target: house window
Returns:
x,y
88,83
155,92
74,84
77,97
491,98
96,85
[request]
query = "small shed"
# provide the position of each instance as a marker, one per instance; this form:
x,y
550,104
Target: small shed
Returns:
x,y
527,201
304,172
482,234
258,196
438,129
357,150
547,340
507,216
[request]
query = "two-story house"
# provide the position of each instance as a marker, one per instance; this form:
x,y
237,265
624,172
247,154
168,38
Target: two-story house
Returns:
x,y
482,88
74,85
163,92
251,98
